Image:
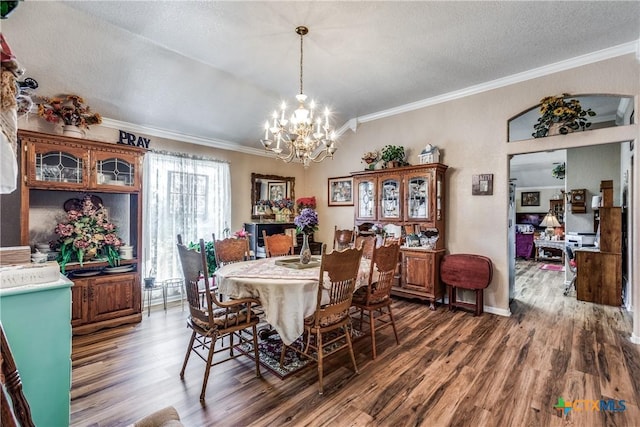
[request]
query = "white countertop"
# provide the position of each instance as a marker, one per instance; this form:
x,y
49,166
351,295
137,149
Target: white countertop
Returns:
x,y
62,282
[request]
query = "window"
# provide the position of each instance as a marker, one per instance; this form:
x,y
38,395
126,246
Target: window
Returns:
x,y
182,195
181,183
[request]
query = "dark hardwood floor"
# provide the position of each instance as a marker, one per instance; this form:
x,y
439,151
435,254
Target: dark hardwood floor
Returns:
x,y
451,369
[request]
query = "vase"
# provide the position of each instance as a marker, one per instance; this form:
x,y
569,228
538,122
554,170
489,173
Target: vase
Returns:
x,y
554,129
72,131
305,251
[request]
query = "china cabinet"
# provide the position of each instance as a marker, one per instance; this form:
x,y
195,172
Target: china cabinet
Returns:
x,y
57,170
557,207
412,197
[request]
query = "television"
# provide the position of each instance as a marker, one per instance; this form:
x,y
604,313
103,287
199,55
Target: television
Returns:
x,y
528,218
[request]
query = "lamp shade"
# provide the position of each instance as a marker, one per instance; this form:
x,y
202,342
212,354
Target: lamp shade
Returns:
x,y
550,220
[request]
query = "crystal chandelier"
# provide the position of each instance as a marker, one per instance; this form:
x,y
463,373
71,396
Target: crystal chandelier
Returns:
x,y
305,136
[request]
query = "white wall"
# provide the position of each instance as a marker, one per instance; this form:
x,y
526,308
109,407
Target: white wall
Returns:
x,y
586,167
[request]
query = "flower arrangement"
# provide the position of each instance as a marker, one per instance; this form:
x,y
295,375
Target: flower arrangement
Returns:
x,y
307,221
87,233
306,202
283,204
378,229
558,171
567,113
370,157
241,234
69,110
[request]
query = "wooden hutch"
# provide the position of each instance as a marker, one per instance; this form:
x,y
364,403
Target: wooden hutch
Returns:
x,y
599,276
412,197
56,169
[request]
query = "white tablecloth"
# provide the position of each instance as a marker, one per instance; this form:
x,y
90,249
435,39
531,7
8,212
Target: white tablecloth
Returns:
x,y
287,295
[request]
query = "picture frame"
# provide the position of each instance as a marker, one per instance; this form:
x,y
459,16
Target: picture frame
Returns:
x,y
340,191
482,185
277,190
530,198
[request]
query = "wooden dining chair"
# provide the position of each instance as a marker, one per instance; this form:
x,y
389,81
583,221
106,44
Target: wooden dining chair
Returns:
x,y
368,242
374,300
342,239
277,244
230,250
233,318
18,412
326,331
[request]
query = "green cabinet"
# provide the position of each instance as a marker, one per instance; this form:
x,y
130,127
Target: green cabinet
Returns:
x,y
37,322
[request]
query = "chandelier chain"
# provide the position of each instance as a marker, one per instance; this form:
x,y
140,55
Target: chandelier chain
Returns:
x,y
301,56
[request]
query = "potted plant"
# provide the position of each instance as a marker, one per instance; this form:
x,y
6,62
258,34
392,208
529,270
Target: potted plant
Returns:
x,y
558,171
209,248
560,115
393,155
69,110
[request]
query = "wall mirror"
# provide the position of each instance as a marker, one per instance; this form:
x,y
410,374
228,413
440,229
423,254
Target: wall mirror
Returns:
x,y
269,188
611,110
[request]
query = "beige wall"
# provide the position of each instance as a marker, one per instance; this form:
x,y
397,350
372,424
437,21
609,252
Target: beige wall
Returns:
x,y
471,133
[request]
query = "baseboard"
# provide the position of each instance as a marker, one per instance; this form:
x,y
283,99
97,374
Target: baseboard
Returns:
x,y
487,308
635,339
499,311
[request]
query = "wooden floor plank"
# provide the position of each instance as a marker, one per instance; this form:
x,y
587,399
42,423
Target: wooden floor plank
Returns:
x,y
450,369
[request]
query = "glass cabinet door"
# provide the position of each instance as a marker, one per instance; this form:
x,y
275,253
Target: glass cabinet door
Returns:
x,y
417,205
115,170
56,167
366,205
389,196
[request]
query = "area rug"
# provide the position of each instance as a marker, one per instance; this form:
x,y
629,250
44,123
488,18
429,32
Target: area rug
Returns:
x,y
269,352
552,267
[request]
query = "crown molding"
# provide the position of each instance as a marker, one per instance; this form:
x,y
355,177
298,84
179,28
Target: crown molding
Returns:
x,y
178,136
578,61
352,124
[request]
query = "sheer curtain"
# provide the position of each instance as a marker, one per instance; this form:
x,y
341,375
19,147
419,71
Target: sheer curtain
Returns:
x,y
182,195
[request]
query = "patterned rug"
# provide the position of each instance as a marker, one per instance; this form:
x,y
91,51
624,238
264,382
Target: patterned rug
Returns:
x,y
269,352
552,267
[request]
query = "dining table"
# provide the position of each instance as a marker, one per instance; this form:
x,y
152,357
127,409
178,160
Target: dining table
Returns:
x,y
288,295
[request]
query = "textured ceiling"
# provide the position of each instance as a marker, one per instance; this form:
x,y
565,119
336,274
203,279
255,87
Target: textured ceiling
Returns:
x,y
216,70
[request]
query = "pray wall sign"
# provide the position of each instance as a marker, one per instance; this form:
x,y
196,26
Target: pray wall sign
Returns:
x,y
128,138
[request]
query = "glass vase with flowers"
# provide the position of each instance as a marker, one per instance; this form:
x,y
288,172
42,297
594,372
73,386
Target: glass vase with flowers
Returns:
x,y
87,233
306,223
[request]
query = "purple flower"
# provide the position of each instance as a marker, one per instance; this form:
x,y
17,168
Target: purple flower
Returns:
x,y
307,221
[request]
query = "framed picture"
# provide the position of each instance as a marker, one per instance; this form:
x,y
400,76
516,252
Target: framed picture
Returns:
x,y
530,198
341,191
482,185
277,190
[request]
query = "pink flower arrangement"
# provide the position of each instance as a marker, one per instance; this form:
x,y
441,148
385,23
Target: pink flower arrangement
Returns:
x,y
87,233
241,234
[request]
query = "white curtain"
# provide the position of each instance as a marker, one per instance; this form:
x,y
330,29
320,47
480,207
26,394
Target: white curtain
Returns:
x,y
182,195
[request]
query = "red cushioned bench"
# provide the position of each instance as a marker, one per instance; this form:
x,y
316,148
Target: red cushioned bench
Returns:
x,y
466,271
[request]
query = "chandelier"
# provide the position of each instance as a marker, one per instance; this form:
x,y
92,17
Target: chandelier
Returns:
x,y
305,135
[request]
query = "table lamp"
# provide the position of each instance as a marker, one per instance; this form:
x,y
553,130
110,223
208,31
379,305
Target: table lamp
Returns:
x,y
550,221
